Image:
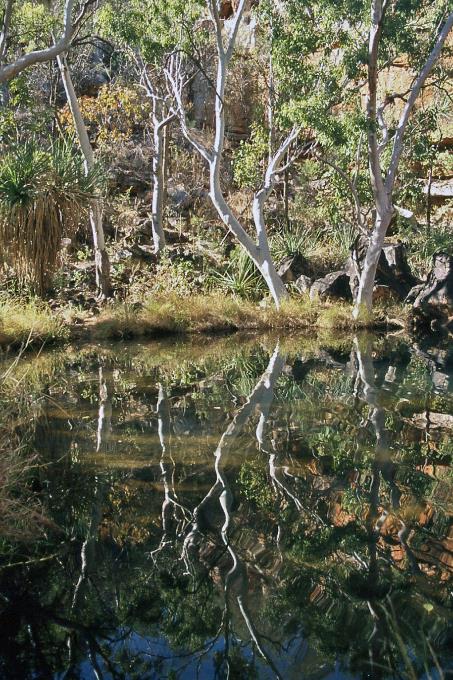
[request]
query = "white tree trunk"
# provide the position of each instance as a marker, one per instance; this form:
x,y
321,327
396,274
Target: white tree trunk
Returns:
x,y
383,183
364,302
101,258
158,190
266,265
259,252
4,34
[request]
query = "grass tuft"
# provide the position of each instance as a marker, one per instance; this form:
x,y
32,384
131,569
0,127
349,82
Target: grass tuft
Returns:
x,y
28,323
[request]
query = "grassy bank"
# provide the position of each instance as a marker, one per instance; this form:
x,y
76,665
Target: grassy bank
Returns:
x,y
35,323
30,323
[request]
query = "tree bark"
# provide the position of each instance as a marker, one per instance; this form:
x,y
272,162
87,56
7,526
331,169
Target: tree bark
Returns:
x,y
160,138
260,254
364,301
4,34
101,258
266,265
158,191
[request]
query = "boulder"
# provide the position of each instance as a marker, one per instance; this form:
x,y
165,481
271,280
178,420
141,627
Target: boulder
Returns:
x,y
384,294
226,9
438,289
393,270
144,252
180,201
303,284
413,293
433,301
292,267
334,285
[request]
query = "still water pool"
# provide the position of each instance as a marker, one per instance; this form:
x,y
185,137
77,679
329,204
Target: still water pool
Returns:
x,y
240,508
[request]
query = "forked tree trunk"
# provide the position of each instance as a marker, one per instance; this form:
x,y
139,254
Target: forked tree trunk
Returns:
x,y
266,264
259,251
161,121
383,182
101,258
11,70
260,255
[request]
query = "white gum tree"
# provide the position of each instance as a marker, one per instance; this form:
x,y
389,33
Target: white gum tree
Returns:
x,y
56,51
12,69
162,117
383,178
101,258
257,248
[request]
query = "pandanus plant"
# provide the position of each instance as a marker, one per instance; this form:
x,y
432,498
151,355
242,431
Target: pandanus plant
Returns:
x,y
45,195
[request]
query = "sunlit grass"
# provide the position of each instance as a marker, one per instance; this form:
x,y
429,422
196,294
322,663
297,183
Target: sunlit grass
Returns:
x,y
33,323
25,323
214,313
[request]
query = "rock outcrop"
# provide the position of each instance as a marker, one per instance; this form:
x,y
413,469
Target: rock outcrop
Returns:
x,y
438,289
433,301
393,271
334,285
292,267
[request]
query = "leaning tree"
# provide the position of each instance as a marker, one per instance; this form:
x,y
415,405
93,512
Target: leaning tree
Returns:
x,y
12,67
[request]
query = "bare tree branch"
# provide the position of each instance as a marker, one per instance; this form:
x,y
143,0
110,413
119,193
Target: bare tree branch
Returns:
x,y
176,83
377,20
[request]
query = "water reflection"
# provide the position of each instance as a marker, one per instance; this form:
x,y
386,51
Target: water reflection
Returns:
x,y
249,512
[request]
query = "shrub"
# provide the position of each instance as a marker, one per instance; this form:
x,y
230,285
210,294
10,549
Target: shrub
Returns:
x,y
241,278
44,195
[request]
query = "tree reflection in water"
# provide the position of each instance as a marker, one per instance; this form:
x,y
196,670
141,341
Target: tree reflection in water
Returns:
x,y
316,540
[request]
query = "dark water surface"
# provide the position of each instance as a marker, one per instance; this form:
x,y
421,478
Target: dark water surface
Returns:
x,y
236,509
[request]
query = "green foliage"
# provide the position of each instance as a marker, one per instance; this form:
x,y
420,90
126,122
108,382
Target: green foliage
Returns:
x,y
255,485
248,161
33,23
153,26
240,278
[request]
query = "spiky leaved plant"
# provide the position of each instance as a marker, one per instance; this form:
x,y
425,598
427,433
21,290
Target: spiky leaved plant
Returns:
x,y
240,278
44,196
